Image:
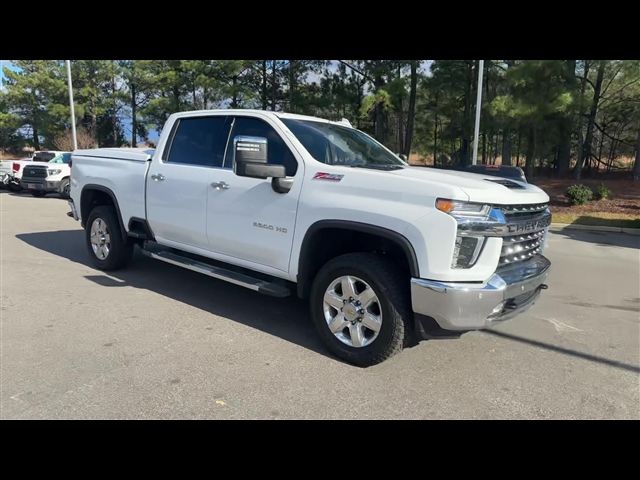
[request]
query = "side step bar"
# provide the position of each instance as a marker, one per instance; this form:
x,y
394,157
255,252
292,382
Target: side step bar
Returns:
x,y
261,286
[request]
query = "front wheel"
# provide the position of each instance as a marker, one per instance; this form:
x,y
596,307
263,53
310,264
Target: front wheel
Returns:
x,y
65,188
360,306
107,249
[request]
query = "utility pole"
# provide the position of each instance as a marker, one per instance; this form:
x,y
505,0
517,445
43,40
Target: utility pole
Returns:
x,y
476,134
73,113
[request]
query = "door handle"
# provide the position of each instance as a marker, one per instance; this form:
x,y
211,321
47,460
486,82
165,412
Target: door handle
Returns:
x,y
158,177
220,185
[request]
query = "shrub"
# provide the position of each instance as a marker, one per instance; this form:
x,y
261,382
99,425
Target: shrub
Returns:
x,y
579,194
602,192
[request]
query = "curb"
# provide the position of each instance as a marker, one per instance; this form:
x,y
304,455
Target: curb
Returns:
x,y
595,228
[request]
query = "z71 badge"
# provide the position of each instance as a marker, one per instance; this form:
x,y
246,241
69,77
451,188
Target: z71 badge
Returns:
x,y
329,177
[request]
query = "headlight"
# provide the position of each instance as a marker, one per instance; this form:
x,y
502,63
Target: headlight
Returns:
x,y
467,248
457,208
53,171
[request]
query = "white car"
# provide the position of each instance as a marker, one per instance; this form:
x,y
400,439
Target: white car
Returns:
x,y
52,176
287,204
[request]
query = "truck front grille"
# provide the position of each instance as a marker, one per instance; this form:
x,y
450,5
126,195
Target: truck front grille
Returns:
x,y
35,174
521,247
522,212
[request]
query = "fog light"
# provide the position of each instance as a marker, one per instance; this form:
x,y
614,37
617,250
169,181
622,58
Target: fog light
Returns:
x,y
497,310
466,251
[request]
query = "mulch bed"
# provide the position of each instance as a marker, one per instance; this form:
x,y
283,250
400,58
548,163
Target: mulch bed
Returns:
x,y
625,196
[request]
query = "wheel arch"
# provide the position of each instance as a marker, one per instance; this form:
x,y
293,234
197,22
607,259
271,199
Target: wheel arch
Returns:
x,y
347,236
94,195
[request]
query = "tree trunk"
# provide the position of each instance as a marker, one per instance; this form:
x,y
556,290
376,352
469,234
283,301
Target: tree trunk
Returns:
x,y
264,85
583,86
114,114
518,150
531,151
134,120
586,149
636,165
564,146
380,124
466,122
484,148
274,89
506,147
292,86
435,141
36,140
234,98
411,113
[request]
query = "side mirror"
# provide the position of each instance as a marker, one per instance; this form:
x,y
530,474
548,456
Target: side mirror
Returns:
x,y
250,158
403,156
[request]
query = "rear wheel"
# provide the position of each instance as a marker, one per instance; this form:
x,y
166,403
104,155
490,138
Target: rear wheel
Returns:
x,y
360,307
107,249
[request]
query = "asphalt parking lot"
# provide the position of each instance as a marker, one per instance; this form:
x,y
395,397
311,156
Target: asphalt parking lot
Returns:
x,y
157,341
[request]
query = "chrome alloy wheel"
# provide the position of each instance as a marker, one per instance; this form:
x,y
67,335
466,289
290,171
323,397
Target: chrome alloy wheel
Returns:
x,y
100,239
352,311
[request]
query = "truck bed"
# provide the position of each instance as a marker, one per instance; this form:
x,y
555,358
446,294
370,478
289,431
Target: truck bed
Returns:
x,y
121,170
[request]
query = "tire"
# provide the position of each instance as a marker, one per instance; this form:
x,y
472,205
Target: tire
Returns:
x,y
118,252
391,289
64,188
38,194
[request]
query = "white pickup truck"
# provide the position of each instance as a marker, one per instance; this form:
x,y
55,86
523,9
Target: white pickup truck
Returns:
x,y
47,171
385,252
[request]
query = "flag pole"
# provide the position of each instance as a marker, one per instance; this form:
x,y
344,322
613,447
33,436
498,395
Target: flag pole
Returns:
x,y
73,114
476,133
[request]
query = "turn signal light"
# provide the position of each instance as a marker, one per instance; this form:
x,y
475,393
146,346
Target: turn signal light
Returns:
x,y
445,205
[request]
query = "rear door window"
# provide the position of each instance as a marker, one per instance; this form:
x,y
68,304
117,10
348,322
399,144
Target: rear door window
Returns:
x,y
200,141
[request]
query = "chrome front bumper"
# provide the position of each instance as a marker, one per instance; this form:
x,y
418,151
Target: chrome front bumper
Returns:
x,y
472,306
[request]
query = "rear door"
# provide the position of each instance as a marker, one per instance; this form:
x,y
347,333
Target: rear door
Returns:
x,y
179,182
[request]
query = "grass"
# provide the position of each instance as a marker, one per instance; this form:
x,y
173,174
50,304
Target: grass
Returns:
x,y
607,219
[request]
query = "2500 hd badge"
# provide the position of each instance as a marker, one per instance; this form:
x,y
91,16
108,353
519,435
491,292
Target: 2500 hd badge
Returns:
x,y
270,227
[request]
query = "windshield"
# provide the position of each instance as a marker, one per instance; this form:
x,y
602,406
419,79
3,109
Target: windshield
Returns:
x,y
61,158
335,145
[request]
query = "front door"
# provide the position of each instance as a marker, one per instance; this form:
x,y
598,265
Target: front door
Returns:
x,y
179,183
246,218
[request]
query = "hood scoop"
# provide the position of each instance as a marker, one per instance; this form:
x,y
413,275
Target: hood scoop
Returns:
x,y
504,182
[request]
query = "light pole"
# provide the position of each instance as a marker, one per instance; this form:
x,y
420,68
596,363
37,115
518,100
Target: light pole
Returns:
x,y
73,113
476,133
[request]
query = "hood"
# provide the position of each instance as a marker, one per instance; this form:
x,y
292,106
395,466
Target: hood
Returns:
x,y
478,187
